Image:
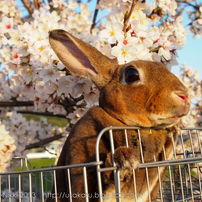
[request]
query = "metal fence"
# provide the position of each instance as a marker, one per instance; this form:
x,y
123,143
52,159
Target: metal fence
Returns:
x,y
181,183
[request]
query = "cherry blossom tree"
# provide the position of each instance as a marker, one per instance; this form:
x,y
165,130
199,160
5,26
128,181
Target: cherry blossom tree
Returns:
x,y
33,80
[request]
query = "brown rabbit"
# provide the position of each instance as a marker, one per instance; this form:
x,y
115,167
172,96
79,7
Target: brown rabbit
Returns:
x,y
140,93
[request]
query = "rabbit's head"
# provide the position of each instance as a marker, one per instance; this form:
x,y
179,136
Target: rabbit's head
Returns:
x,y
139,93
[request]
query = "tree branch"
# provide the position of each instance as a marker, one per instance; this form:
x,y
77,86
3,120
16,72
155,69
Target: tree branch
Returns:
x,y
69,104
16,104
37,4
42,113
95,16
44,141
27,6
189,4
127,18
196,7
52,8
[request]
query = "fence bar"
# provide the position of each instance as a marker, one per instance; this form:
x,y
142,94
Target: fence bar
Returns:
x,y
160,188
146,169
20,190
184,187
55,186
160,164
190,179
9,187
97,156
127,145
197,132
126,137
116,177
30,187
199,144
0,188
179,169
135,189
85,184
185,156
69,183
170,177
54,168
42,192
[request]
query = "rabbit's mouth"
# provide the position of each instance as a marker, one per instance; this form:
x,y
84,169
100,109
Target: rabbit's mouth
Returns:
x,y
161,122
168,122
177,117
173,119
165,123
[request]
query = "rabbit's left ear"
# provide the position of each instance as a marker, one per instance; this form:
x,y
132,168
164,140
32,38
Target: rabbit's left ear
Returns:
x,y
81,58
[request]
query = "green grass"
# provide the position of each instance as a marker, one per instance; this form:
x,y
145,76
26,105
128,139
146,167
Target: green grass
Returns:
x,y
36,178
183,169
55,121
38,163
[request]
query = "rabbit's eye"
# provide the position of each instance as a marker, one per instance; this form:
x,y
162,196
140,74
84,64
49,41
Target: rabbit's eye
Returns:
x,y
131,75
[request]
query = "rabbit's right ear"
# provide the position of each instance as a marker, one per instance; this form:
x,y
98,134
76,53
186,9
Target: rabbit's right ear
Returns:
x,y
81,58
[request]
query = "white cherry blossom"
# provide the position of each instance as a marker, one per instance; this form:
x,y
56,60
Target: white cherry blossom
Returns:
x,y
124,53
49,73
111,32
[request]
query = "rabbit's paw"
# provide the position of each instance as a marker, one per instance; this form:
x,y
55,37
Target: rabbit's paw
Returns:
x,y
126,160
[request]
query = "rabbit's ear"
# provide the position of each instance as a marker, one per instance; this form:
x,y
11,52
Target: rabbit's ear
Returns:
x,y
81,58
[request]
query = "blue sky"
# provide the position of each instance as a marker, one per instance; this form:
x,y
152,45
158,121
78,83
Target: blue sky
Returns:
x,y
191,53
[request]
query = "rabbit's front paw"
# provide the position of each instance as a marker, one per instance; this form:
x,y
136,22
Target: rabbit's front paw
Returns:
x,y
126,160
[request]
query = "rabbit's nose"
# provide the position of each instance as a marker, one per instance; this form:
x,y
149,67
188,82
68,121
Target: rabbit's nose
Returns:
x,y
183,97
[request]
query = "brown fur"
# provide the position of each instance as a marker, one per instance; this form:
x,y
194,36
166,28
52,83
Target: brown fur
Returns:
x,y
151,102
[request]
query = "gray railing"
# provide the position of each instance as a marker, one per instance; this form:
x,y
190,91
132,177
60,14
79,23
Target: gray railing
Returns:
x,y
182,181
